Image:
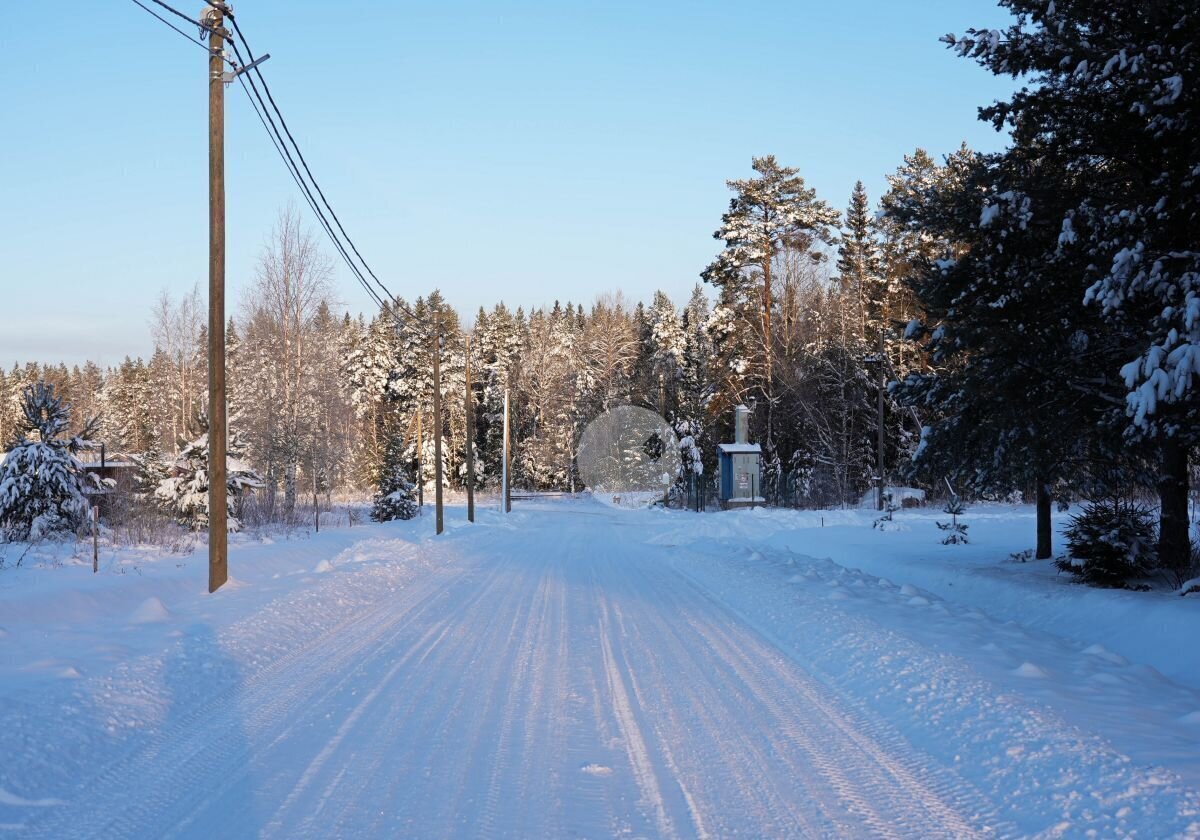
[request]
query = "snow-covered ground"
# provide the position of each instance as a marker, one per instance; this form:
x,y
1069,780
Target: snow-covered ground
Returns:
x,y
575,670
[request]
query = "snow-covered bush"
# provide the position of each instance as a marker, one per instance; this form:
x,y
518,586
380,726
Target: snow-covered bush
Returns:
x,y
152,470
1111,543
42,482
956,531
184,492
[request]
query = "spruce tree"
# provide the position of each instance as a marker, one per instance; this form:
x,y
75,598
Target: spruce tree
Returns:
x,y
667,354
860,269
42,481
1015,389
184,492
395,496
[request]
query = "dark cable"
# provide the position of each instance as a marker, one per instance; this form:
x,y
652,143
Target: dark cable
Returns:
x,y
291,168
268,122
181,15
198,43
266,88
277,140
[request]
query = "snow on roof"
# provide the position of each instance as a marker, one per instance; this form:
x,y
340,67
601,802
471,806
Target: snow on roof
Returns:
x,y
739,448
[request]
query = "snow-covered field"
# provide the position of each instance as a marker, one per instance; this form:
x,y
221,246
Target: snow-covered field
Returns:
x,y
575,670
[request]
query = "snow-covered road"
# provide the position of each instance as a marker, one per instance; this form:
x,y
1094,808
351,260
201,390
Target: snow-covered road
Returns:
x,y
587,681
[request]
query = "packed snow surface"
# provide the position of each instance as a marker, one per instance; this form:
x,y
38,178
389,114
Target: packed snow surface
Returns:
x,y
575,670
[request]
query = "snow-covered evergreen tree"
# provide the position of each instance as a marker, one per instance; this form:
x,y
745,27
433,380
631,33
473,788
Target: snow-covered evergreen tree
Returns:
x,y
184,492
956,532
500,339
128,411
1015,393
860,269
667,353
396,495
410,383
550,418
42,481
1113,94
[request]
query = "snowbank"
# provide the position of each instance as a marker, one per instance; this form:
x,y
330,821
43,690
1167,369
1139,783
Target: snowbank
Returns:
x,y
1154,628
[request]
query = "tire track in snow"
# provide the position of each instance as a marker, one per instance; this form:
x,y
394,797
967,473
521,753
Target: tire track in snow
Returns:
x,y
423,709
588,688
896,772
631,733
424,646
176,768
872,783
724,746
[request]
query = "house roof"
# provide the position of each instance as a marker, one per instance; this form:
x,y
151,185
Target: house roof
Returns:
x,y
739,448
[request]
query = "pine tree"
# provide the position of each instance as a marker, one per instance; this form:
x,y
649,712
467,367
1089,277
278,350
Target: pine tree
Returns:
x,y
1015,389
42,481
1115,97
768,215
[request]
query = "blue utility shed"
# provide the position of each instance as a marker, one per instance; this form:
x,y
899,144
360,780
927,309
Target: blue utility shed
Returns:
x,y
740,465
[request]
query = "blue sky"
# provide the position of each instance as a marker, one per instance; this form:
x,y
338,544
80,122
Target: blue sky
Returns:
x,y
527,151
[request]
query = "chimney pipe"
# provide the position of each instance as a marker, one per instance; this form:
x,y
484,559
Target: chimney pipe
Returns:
x,y
741,424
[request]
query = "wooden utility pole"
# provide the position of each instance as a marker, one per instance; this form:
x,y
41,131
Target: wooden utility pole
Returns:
x,y
506,501
316,504
218,527
470,410
420,465
437,423
879,456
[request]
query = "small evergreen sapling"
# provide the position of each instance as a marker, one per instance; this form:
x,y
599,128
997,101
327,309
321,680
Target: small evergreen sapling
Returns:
x,y
42,482
885,522
956,531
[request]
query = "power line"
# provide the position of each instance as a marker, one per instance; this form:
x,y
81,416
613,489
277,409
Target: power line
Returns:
x,y
195,41
202,26
240,66
267,89
272,131
292,170
268,123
